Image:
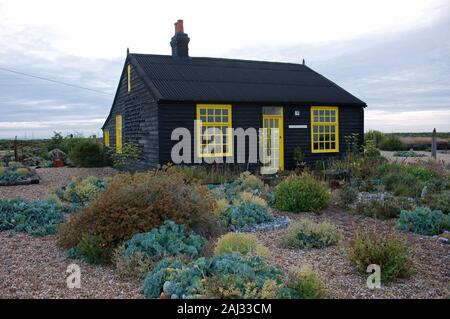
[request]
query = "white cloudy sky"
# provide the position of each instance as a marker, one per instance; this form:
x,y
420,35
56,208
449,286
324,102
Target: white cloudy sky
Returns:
x,y
393,54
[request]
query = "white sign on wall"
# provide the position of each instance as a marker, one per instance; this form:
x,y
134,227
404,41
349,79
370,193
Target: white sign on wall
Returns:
x,y
298,126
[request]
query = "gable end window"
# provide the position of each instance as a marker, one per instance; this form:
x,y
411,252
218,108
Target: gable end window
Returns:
x,y
214,135
106,137
118,134
129,77
324,129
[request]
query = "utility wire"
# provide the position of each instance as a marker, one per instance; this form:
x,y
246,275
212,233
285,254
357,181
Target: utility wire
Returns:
x,y
54,81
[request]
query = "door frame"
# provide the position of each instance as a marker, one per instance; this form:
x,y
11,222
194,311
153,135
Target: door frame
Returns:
x,y
281,137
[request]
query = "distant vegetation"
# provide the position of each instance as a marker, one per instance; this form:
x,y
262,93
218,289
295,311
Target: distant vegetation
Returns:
x,y
407,141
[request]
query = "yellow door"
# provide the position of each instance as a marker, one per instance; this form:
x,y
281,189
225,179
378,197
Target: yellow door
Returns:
x,y
119,134
272,141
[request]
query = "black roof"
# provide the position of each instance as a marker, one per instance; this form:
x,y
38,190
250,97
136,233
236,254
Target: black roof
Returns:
x,y
229,80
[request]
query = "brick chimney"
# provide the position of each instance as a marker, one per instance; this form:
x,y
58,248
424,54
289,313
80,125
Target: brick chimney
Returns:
x,y
180,41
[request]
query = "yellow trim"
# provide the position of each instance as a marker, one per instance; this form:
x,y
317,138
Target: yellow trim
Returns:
x,y
129,77
119,134
228,124
324,124
106,136
280,119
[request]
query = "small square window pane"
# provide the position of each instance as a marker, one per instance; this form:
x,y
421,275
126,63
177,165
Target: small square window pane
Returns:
x,y
218,111
321,129
202,111
316,146
316,118
225,119
333,129
316,129
333,145
316,112
332,113
210,111
211,119
218,119
327,113
224,112
333,119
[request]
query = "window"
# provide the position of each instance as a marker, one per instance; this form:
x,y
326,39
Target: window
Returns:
x,y
118,133
324,129
214,130
106,136
129,77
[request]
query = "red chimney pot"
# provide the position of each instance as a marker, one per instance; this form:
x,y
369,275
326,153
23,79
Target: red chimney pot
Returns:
x,y
179,26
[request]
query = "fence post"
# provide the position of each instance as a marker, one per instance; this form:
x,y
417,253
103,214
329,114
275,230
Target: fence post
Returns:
x,y
16,155
433,144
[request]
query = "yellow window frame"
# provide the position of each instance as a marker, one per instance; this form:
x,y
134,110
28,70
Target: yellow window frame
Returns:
x,y
228,143
322,123
129,77
118,134
106,137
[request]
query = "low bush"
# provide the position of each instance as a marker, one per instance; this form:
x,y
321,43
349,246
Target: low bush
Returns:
x,y
79,192
38,218
301,194
248,197
224,276
306,283
169,240
137,265
86,153
391,253
388,207
245,214
440,201
348,195
138,203
424,221
245,244
14,172
250,182
391,143
374,136
90,250
307,234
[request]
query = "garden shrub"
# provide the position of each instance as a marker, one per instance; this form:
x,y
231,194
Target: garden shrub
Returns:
x,y
79,192
90,250
306,283
301,193
137,265
220,206
138,203
391,253
86,153
307,234
38,218
245,214
227,275
385,208
348,195
14,172
391,143
250,181
424,221
375,136
167,240
440,201
245,244
248,197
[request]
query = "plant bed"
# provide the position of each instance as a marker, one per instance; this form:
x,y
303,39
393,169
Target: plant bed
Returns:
x,y
15,175
277,223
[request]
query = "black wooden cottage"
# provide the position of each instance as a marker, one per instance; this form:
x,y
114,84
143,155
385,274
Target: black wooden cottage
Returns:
x,y
158,93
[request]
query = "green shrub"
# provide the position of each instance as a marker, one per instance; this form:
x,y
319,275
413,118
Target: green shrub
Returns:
x,y
250,181
301,193
90,250
137,265
130,152
232,271
348,195
374,136
391,253
248,197
388,207
37,218
79,192
441,201
391,143
138,203
307,234
167,240
245,244
306,283
424,221
87,153
245,214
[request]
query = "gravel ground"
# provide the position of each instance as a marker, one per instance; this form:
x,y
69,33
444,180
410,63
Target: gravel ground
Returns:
x,y
440,156
50,180
34,267
431,260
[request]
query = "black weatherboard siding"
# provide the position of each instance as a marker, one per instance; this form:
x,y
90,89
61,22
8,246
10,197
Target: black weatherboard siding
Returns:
x,y
165,90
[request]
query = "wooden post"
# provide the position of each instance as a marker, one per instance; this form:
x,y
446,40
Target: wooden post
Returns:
x,y
16,155
433,144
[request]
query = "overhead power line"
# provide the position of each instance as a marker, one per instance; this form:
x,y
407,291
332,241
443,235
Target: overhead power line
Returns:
x,y
54,81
